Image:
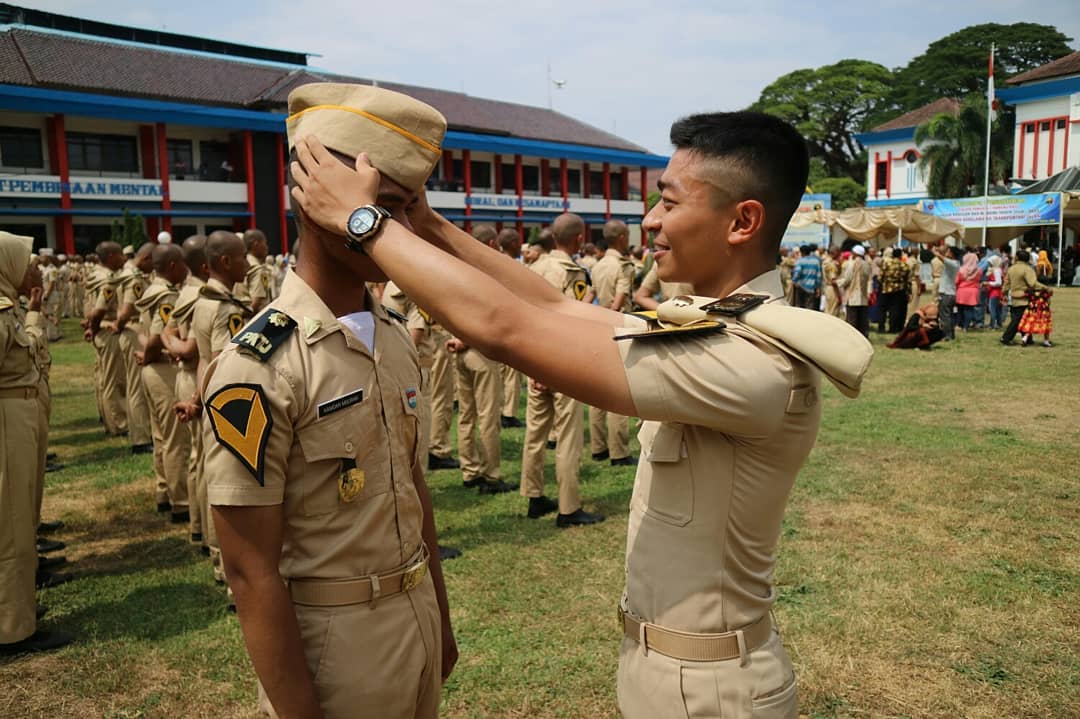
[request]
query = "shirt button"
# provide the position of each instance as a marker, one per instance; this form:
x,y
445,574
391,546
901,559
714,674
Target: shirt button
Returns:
x,y
348,447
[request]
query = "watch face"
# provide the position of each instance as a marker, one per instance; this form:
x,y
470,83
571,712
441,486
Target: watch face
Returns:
x,y
361,221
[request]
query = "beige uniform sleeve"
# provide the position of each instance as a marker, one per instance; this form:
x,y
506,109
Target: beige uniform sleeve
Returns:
x,y
258,284
161,312
247,432
133,290
650,284
227,321
625,281
721,381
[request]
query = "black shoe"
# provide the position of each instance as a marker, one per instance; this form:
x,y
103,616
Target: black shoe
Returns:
x,y
46,527
164,507
39,641
196,537
510,422
44,546
53,467
624,462
496,487
50,562
539,506
580,517
50,456
147,448
180,517
551,444
434,463
600,456
44,580
40,611
446,553
473,483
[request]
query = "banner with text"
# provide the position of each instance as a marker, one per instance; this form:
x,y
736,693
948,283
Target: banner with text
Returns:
x,y
999,211
812,234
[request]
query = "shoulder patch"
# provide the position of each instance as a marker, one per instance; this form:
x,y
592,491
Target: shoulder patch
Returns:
x,y
108,292
236,322
240,417
265,333
395,314
426,317
138,289
165,312
581,288
5,303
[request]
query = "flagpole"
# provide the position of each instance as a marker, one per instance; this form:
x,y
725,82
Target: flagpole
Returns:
x,y
989,120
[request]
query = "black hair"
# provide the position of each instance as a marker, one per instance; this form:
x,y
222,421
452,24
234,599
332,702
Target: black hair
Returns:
x,y
897,253
1023,256
771,153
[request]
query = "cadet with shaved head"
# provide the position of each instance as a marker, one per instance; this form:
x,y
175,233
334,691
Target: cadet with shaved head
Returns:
x,y
133,282
101,329
259,279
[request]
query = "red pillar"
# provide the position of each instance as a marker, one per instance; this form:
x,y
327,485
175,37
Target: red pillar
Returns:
x,y
644,190
545,177
498,175
888,175
466,165
1020,159
519,184
448,165
283,220
564,181
249,177
163,173
1035,153
1050,150
58,165
607,191
585,179
148,152
625,194
877,164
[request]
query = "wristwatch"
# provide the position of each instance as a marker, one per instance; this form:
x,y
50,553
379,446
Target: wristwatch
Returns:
x,y
363,224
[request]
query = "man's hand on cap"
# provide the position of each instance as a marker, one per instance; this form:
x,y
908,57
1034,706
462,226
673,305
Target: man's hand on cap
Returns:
x,y
327,190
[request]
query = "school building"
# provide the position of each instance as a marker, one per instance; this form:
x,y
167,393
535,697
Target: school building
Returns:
x,y
189,133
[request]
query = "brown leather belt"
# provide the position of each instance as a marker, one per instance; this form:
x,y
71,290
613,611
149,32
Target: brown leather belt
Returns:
x,y
361,590
19,393
692,647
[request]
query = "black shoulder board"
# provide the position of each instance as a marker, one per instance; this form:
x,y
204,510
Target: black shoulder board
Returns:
x,y
264,334
395,314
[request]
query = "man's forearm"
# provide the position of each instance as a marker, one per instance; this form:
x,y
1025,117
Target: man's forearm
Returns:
x,y
432,541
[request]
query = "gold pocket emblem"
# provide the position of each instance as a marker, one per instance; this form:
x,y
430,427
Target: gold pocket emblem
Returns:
x,y
351,484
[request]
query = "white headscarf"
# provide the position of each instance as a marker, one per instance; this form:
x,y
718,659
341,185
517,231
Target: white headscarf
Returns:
x,y
15,253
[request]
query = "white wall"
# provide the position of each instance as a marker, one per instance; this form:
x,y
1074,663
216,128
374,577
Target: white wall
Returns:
x,y
1040,142
907,181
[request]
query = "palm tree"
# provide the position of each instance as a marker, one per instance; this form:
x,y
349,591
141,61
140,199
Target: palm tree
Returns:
x,y
953,148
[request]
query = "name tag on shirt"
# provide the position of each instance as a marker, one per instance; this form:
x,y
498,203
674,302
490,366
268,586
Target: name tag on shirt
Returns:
x,y
339,403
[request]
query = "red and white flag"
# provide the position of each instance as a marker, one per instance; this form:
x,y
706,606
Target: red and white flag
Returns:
x,y
991,101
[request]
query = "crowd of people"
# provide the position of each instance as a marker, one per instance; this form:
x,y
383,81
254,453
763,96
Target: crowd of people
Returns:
x,y
971,289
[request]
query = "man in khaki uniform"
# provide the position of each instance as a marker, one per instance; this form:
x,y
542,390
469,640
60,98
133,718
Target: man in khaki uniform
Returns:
x,y
855,281
443,390
52,293
172,441
20,438
1020,279
133,282
613,281
508,242
259,280
728,386
652,286
313,456
553,413
830,273
101,329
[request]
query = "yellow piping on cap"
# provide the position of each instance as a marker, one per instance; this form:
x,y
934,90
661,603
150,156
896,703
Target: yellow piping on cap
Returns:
x,y
374,118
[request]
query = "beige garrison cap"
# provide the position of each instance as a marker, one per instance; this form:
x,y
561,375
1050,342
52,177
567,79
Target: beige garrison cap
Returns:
x,y
402,136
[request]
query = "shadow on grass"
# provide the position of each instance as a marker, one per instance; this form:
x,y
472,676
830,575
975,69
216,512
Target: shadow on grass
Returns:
x,y
137,556
148,613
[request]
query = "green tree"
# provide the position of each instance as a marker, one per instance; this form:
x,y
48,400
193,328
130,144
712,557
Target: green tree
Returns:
x,y
846,193
829,105
129,230
954,147
956,65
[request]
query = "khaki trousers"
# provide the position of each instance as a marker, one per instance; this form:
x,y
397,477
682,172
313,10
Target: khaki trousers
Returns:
x,y
653,685
44,400
114,403
833,305
138,407
424,438
196,489
511,390
479,402
19,441
544,410
609,431
174,440
442,396
383,661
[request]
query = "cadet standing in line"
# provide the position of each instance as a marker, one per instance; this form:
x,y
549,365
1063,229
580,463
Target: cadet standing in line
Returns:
x,y
132,283
830,271
172,441
179,341
550,413
101,330
19,441
313,455
52,292
613,282
508,242
728,386
259,283
443,391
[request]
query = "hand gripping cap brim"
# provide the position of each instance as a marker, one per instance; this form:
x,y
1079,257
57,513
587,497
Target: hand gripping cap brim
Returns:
x,y
402,136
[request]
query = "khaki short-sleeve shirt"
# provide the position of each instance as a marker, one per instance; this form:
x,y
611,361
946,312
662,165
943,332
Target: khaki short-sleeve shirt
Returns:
x,y
258,281
611,275
729,421
327,429
108,295
563,273
216,317
652,284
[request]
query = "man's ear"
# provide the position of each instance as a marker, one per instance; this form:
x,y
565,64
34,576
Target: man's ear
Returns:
x,y
748,220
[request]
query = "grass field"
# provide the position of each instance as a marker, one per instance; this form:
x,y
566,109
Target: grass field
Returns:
x,y
928,567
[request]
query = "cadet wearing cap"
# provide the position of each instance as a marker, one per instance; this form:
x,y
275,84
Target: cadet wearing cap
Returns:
x,y
312,453
731,411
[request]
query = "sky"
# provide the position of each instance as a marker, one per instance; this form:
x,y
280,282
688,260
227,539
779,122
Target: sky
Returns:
x,y
630,67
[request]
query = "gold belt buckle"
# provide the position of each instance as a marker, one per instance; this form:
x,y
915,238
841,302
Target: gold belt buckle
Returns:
x,y
412,577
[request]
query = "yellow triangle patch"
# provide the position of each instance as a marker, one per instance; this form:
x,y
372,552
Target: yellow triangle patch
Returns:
x,y
240,417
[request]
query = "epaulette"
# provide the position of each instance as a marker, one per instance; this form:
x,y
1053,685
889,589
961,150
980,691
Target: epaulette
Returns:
x,y
5,303
395,314
264,334
659,329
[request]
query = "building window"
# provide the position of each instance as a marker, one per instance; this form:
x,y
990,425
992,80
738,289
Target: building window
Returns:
x,y
481,174
1029,128
1060,125
509,181
573,182
181,158
911,157
881,176
215,163
616,185
596,183
530,178
21,147
102,153
1044,126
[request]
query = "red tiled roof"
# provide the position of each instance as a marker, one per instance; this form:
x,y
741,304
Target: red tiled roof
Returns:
x,y
1068,65
921,115
92,65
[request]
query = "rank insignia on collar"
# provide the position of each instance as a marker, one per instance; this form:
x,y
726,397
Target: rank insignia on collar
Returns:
x,y
240,417
266,333
279,319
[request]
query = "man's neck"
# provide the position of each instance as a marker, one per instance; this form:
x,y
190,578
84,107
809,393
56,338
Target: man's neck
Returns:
x,y
722,286
335,285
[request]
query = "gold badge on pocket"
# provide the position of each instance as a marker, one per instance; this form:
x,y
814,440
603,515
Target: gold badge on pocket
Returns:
x,y
351,484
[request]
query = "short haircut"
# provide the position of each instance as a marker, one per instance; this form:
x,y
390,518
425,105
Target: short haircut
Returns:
x,y
613,230
252,236
508,240
107,249
194,249
766,159
566,228
897,253
164,255
545,240
221,243
484,233
1023,256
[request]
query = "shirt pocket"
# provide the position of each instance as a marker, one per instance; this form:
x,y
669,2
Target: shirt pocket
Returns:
x,y
667,492
349,436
